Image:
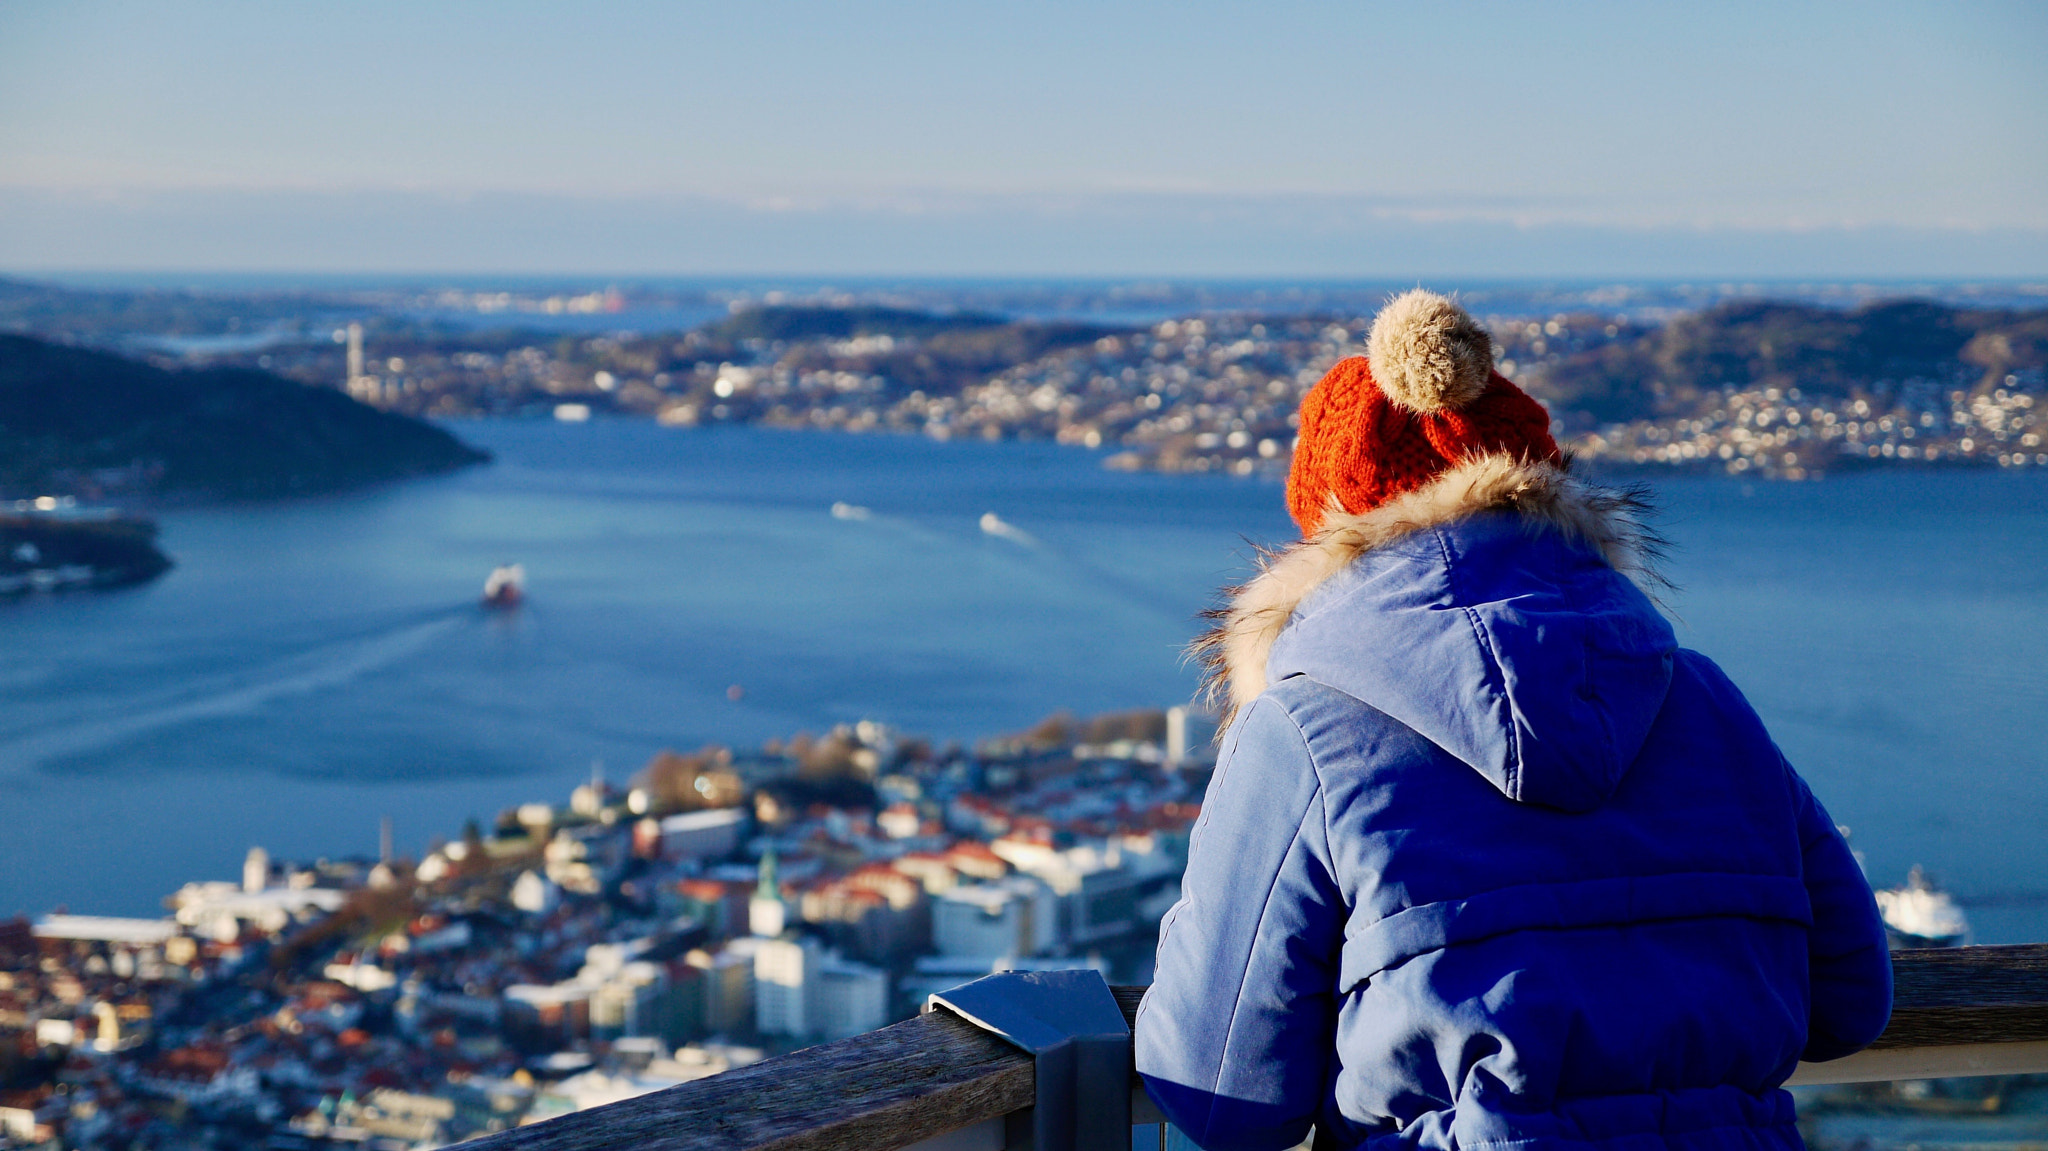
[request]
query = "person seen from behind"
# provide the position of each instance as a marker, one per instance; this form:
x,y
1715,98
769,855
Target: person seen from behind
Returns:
x,y
1488,860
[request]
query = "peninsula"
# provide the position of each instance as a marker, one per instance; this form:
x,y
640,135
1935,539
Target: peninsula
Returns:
x,y
99,426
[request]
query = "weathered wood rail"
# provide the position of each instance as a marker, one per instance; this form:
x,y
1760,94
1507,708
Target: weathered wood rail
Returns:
x,y
1960,1011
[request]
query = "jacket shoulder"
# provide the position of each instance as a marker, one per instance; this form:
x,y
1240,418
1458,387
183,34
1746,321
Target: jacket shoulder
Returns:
x,y
1700,688
1707,676
1334,724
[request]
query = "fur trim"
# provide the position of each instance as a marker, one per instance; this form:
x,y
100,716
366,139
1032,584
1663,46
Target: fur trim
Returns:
x,y
1427,353
1233,653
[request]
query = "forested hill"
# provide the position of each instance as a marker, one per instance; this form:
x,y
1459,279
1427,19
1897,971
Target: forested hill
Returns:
x,y
99,425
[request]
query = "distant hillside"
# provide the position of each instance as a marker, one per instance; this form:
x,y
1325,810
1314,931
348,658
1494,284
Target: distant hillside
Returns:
x,y
1871,351
73,420
807,322
936,353
101,315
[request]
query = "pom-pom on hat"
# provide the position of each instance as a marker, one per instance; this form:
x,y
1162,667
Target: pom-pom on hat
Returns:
x,y
1423,399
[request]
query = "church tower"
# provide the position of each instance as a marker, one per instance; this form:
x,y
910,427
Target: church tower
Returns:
x,y
767,914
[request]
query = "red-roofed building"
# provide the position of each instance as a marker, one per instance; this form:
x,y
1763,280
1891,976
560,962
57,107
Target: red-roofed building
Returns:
x,y
976,860
721,905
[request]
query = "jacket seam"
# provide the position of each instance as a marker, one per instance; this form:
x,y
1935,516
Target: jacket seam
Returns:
x,y
1494,678
1265,909
1320,797
1227,756
1223,761
1594,925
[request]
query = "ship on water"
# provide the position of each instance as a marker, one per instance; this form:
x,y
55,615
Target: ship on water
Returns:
x,y
505,587
1921,914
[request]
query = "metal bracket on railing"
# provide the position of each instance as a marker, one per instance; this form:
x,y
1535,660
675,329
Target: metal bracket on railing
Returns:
x,y
1070,1023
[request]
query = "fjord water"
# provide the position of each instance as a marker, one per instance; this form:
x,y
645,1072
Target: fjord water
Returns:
x,y
310,667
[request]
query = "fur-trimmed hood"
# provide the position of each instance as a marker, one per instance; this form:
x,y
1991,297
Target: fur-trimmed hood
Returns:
x,y
1491,611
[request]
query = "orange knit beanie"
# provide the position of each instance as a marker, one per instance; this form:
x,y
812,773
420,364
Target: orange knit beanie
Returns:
x,y
1423,399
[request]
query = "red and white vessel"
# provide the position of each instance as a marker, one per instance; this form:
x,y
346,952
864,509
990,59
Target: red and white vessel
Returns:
x,y
505,587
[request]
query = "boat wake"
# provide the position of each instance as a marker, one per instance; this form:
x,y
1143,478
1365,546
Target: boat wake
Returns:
x,y
1049,559
323,666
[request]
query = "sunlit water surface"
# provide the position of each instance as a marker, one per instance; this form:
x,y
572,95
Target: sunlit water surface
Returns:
x,y
311,667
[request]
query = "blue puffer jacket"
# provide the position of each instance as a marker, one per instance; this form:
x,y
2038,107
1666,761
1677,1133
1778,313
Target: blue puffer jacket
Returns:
x,y
1493,861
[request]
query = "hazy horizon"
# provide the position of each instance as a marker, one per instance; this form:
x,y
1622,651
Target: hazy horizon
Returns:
x,y
1141,140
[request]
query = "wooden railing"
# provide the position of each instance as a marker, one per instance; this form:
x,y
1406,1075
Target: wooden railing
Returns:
x,y
939,1080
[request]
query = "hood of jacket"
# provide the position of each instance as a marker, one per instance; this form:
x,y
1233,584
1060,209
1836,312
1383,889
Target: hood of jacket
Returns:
x,y
1496,612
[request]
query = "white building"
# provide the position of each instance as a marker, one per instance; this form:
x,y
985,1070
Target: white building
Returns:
x,y
851,998
535,894
802,990
702,834
218,910
107,929
767,912
256,870
1098,885
785,974
364,977
1189,734
1007,917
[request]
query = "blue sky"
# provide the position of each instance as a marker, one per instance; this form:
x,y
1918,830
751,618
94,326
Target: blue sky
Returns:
x,y
1188,139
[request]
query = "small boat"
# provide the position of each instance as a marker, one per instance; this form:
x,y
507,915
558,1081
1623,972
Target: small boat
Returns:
x,y
1920,914
505,587
995,525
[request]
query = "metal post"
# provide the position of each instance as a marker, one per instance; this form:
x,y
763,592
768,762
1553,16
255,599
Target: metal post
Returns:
x,y
1070,1023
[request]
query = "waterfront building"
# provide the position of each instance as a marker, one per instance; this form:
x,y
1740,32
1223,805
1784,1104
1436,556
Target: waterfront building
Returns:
x,y
256,870
217,910
107,929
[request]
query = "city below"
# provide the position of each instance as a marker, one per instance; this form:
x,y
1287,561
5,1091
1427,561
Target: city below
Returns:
x,y
720,909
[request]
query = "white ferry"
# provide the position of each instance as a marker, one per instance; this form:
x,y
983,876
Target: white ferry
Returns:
x,y
1919,914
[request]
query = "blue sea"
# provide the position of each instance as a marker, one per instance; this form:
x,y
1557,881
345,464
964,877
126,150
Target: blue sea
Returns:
x,y
311,667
